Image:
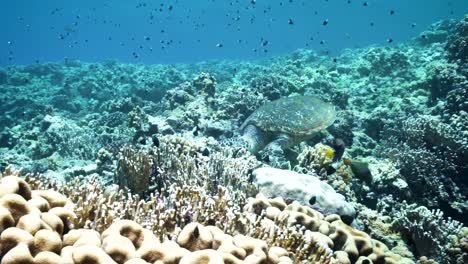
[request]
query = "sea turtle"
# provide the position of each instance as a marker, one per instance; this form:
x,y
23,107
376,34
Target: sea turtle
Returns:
x,y
285,122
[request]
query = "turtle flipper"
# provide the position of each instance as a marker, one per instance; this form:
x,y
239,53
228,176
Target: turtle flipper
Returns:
x,y
280,143
274,151
254,138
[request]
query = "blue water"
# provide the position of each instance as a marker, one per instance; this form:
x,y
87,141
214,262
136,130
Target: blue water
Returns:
x,y
188,30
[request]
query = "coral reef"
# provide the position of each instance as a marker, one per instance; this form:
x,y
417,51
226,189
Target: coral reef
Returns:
x,y
327,234
41,227
306,189
428,154
443,77
457,43
428,233
159,145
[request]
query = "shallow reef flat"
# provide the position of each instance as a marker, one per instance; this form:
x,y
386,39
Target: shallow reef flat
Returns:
x,y
125,163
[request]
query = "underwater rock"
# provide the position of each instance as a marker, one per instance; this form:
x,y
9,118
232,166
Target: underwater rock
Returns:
x,y
307,189
6,139
178,96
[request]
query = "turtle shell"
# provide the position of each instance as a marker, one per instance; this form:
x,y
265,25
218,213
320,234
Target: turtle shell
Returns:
x,y
297,116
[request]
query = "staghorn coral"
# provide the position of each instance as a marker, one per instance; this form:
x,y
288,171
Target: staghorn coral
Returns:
x,y
133,170
181,161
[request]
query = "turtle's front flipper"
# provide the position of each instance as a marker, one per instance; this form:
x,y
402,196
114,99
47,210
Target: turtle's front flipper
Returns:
x,y
254,138
274,151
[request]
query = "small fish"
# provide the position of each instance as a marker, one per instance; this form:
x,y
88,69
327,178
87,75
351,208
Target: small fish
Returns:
x,y
338,146
195,131
325,22
290,21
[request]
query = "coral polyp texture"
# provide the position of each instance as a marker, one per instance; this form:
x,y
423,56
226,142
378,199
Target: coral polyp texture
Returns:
x,y
238,161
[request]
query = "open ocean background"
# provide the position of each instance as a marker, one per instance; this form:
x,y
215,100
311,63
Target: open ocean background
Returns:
x,y
189,31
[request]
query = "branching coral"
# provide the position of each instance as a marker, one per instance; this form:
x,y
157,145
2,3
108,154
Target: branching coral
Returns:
x,y
134,169
315,159
428,154
178,160
442,77
430,234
